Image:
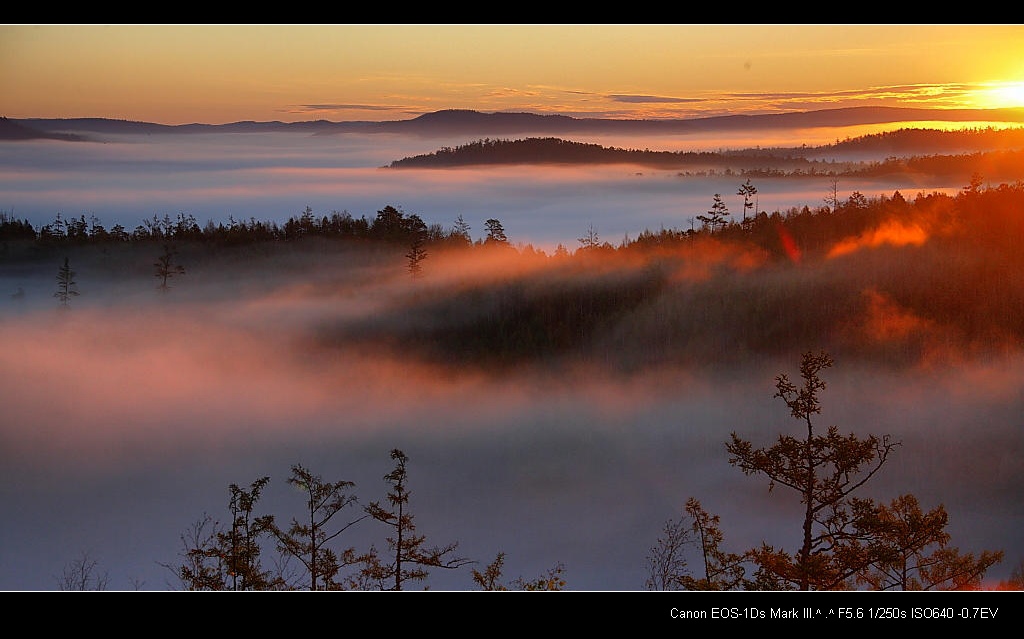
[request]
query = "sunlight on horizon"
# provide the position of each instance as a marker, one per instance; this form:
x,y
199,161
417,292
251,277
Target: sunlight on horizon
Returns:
x,y
216,74
1002,95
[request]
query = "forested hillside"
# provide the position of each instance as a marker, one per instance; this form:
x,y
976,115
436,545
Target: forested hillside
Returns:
x,y
994,153
887,279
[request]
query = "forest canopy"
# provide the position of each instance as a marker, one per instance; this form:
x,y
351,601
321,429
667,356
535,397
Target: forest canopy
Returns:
x,y
996,153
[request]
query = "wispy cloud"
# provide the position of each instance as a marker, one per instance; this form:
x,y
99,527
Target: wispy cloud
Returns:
x,y
649,99
550,99
347,107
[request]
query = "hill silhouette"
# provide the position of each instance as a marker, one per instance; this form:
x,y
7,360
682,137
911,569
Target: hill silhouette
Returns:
x,y
477,123
14,130
998,150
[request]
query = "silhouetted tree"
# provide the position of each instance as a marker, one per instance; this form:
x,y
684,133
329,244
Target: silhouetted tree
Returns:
x,y
824,470
715,217
408,557
915,554
415,256
857,201
217,558
83,574
461,230
241,545
832,199
166,268
66,285
495,232
204,566
667,563
849,540
748,191
550,581
490,578
974,187
1016,580
307,540
722,570
53,232
390,224
590,240
666,560
417,230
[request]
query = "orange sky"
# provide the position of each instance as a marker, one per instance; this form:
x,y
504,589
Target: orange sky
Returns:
x,y
177,74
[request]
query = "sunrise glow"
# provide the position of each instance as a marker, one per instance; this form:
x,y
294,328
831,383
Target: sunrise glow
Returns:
x,y
1003,95
215,74
567,271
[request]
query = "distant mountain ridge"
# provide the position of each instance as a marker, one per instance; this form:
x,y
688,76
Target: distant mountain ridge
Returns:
x,y
14,130
478,123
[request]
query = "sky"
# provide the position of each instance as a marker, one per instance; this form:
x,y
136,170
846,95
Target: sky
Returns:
x,y
214,74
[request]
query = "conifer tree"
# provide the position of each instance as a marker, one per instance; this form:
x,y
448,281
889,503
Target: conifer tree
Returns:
x,y
461,230
915,550
825,470
495,233
408,557
229,558
490,578
416,255
308,540
748,191
66,285
241,545
166,268
715,217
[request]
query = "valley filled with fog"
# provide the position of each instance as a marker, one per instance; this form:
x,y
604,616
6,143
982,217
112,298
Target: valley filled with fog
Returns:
x,y
129,413
128,179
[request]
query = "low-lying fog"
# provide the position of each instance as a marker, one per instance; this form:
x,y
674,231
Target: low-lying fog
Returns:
x,y
270,177
126,418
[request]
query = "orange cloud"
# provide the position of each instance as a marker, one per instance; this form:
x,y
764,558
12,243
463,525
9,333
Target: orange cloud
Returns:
x,y
893,232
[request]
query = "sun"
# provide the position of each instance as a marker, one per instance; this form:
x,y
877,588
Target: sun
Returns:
x,y
1002,95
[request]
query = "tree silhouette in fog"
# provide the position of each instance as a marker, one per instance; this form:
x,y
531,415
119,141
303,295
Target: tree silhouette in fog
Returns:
x,y
748,191
66,285
408,558
308,540
240,545
846,541
415,256
495,233
229,558
825,470
166,267
667,563
715,218
460,230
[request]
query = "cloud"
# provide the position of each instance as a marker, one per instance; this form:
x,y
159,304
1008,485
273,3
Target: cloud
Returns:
x,y
348,107
651,99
